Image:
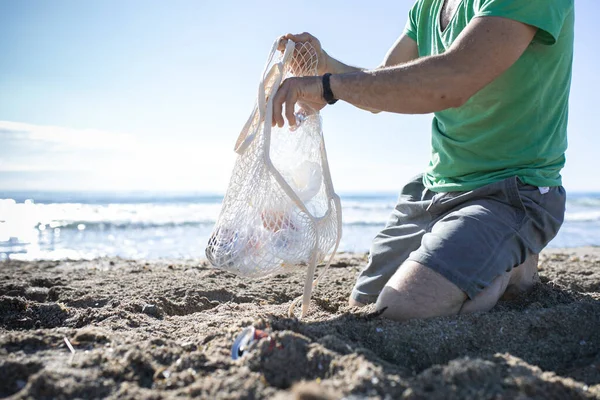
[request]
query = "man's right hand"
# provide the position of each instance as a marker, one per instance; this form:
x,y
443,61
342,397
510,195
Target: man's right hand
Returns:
x,y
322,57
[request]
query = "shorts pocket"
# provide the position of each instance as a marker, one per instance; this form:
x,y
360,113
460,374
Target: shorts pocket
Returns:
x,y
545,215
511,191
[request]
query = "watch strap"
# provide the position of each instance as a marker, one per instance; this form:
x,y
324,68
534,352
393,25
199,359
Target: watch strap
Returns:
x,y
327,93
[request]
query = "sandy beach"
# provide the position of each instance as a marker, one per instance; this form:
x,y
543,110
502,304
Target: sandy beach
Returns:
x,y
165,329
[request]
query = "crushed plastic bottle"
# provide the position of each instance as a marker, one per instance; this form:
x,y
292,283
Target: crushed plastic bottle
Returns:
x,y
248,338
306,180
224,246
227,247
300,117
285,244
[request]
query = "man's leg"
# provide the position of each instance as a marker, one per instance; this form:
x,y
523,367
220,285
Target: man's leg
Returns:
x,y
391,247
416,291
468,248
471,250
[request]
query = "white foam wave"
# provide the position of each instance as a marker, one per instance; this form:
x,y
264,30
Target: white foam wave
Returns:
x,y
68,215
16,218
583,216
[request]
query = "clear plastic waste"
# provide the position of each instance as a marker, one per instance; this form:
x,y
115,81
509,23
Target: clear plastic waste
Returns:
x,y
300,117
306,180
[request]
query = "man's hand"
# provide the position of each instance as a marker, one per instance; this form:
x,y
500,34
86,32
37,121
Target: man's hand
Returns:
x,y
306,91
322,57
404,50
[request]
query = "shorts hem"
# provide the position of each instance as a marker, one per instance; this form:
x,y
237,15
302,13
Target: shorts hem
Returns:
x,y
363,298
471,289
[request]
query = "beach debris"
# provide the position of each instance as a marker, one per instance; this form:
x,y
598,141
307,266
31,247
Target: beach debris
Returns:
x,y
163,373
189,346
246,339
152,310
70,346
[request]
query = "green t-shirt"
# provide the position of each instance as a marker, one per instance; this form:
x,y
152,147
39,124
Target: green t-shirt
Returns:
x,y
516,125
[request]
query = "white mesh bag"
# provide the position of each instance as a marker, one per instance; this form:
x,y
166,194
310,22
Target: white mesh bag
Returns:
x,y
280,211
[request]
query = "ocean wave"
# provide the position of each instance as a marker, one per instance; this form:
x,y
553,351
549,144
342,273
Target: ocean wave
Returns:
x,y
56,215
128,215
125,225
583,216
583,201
94,225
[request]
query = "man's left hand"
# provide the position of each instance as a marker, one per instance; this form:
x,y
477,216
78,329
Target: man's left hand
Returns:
x,y
306,91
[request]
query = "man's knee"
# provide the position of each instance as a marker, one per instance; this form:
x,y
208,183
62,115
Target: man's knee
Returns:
x,y
416,292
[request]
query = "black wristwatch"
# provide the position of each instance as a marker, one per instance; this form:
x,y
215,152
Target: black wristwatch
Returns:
x,y
327,93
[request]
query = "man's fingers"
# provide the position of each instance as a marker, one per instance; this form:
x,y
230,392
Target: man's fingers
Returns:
x,y
301,37
305,60
277,106
283,41
290,102
286,95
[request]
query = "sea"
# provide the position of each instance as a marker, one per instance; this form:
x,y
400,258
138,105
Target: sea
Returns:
x,y
143,225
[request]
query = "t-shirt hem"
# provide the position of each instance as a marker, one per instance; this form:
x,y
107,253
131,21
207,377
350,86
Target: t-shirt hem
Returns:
x,y
465,187
411,34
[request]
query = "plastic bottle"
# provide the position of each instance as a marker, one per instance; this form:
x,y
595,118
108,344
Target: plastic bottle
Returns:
x,y
287,245
300,118
307,178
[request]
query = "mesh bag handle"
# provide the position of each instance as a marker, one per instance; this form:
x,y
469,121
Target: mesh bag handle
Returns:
x,y
309,284
274,75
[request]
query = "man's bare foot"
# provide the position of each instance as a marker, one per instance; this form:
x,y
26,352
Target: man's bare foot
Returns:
x,y
522,278
487,299
506,286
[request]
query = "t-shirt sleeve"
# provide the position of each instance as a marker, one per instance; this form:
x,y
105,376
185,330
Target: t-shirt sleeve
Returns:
x,y
410,29
546,15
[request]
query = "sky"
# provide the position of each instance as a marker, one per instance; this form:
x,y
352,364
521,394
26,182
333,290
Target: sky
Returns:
x,y
151,95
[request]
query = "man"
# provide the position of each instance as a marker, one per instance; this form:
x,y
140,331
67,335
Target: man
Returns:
x,y
496,74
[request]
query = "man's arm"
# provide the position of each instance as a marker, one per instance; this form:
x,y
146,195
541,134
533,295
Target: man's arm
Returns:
x,y
486,48
403,51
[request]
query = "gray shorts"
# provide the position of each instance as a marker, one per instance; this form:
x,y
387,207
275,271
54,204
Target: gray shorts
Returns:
x,y
468,237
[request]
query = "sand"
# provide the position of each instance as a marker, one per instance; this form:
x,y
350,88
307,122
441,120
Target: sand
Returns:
x,y
151,330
